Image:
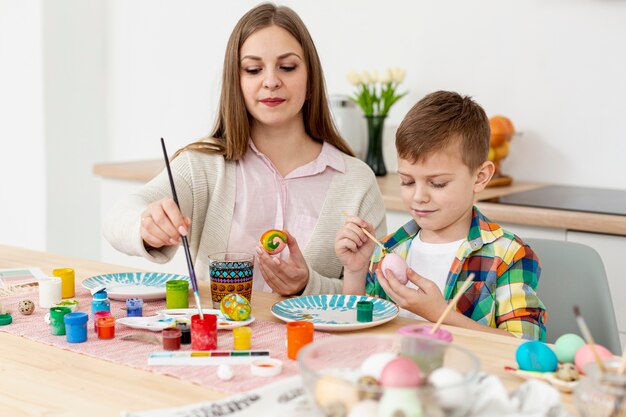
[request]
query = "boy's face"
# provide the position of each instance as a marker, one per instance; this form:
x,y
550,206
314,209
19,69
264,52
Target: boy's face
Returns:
x,y
438,192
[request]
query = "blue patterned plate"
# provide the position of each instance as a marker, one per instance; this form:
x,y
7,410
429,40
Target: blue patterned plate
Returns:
x,y
334,311
146,285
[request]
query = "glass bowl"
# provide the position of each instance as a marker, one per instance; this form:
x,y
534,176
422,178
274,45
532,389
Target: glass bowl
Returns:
x,y
332,374
601,394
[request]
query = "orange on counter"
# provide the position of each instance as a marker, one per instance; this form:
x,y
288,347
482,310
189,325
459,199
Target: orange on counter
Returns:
x,y
502,130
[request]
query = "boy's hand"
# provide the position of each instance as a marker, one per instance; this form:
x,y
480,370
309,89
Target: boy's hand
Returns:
x,y
285,277
162,224
426,301
353,248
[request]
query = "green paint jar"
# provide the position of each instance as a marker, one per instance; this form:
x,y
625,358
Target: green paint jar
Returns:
x,y
177,294
57,323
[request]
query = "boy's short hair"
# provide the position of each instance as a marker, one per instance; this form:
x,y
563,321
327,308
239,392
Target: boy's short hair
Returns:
x,y
440,119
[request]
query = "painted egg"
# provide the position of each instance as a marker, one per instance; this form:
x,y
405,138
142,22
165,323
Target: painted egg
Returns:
x,y
567,372
566,346
236,307
536,356
401,372
26,307
374,364
273,241
396,265
367,408
400,402
584,355
450,390
335,396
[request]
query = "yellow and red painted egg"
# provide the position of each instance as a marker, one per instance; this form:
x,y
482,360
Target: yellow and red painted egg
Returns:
x,y
236,307
273,241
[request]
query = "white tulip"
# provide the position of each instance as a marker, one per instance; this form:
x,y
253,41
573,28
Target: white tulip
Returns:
x,y
365,77
374,76
354,78
386,77
398,74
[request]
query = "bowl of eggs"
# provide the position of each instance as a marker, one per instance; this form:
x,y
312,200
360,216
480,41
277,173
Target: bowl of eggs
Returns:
x,y
388,376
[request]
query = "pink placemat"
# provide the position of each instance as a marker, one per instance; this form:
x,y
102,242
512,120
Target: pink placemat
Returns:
x,y
266,335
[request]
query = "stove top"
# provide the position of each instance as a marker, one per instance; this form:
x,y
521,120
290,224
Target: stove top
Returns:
x,y
560,197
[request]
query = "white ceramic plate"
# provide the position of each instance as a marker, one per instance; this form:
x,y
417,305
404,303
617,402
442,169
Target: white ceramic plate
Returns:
x,y
152,323
334,311
146,285
223,322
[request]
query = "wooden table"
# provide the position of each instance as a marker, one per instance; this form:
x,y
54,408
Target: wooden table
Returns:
x,y
38,379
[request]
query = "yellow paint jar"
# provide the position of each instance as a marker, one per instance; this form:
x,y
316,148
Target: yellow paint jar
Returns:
x,y
67,281
242,338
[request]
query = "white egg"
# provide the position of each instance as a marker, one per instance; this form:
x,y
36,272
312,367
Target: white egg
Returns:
x,y
451,391
367,408
225,372
400,402
374,364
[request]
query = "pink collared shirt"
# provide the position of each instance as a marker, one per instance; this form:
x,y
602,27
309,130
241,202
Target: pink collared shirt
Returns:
x,y
267,200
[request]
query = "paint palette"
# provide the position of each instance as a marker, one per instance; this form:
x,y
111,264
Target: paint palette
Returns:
x,y
201,358
152,323
223,322
146,285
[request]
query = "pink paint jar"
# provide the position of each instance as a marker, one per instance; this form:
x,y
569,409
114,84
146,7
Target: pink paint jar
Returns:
x,y
171,338
204,332
96,316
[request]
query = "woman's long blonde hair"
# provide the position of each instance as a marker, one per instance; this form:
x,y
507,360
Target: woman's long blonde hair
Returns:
x,y
232,128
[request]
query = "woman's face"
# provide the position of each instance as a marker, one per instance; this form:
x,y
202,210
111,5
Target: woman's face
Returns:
x,y
273,77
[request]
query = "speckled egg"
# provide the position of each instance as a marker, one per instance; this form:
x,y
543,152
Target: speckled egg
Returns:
x,y
451,392
584,355
566,346
374,364
236,307
335,396
396,265
536,356
26,307
401,372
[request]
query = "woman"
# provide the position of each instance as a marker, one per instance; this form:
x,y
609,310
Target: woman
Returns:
x,y
273,161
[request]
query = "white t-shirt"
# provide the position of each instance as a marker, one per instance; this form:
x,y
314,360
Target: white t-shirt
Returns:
x,y
432,261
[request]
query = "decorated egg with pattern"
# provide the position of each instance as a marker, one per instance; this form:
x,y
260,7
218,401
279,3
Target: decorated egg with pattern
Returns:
x,y
26,307
273,241
236,307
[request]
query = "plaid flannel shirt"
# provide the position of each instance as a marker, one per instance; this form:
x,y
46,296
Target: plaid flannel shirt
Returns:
x,y
506,275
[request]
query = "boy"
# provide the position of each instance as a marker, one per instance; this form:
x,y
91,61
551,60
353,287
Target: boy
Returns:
x,y
442,147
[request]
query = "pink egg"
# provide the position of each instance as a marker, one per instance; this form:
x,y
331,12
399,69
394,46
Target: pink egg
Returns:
x,y
396,265
401,372
584,355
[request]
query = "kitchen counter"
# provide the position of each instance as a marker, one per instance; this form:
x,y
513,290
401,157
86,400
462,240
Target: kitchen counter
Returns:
x,y
143,171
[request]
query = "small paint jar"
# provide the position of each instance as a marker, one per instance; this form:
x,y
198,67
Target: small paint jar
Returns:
x,y
49,291
96,316
299,333
177,294
76,326
57,324
364,311
106,327
100,302
242,338
67,281
134,307
204,332
185,333
171,338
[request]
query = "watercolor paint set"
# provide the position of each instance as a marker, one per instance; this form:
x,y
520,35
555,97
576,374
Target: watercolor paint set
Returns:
x,y
202,358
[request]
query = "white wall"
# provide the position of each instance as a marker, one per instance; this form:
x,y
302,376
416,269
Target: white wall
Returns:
x,y
555,68
22,159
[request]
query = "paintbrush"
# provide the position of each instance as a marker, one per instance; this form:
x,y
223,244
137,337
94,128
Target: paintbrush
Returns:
x,y
368,234
582,325
452,303
192,272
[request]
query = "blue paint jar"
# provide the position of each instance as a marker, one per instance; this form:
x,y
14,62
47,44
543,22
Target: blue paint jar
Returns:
x,y
134,307
76,327
100,302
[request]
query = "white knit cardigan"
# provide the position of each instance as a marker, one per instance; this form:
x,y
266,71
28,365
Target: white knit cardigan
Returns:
x,y
206,185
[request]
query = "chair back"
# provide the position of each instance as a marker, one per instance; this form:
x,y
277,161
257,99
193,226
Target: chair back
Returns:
x,y
573,274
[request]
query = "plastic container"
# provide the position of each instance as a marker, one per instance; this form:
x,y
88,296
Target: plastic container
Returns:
x,y
177,294
49,291
185,333
76,327
96,316
106,327
171,338
67,281
242,338
601,394
134,307
57,323
299,333
100,302
204,332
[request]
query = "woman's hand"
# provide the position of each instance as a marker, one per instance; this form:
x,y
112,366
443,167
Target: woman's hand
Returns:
x,y
425,301
353,248
285,277
162,224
